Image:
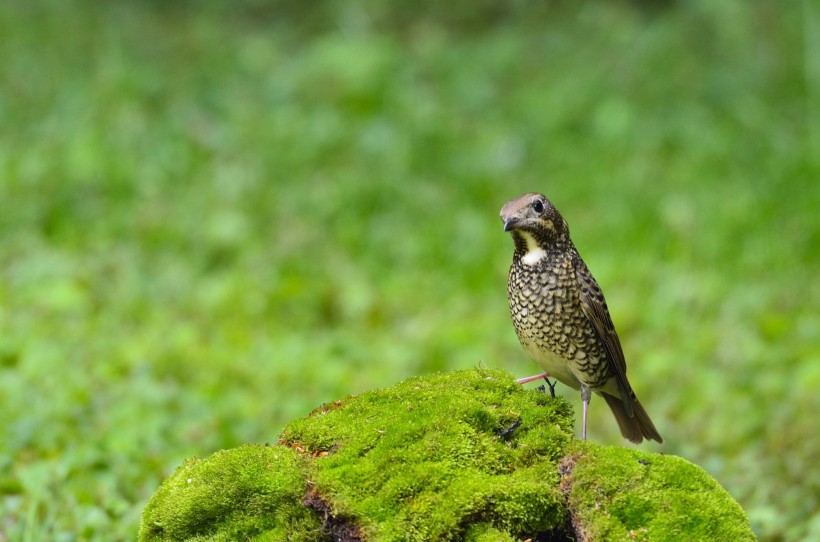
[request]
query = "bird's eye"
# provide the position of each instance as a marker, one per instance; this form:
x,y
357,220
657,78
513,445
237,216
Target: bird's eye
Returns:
x,y
538,206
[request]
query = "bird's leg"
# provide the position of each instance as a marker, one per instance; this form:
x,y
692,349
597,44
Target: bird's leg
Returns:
x,y
586,394
531,378
551,386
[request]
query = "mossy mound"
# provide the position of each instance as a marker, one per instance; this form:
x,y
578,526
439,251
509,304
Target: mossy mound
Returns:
x,y
428,457
467,455
238,494
617,493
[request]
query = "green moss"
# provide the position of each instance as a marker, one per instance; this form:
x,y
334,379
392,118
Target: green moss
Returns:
x,y
485,533
251,491
622,494
423,459
467,455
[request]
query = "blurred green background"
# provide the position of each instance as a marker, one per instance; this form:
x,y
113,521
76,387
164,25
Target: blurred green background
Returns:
x,y
215,216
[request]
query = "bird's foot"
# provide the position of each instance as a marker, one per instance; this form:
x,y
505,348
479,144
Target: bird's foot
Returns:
x,y
532,378
551,386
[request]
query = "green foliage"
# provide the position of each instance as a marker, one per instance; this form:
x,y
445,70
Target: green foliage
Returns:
x,y
216,215
464,455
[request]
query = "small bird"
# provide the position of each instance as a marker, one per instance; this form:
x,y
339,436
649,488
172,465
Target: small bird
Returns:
x,y
561,317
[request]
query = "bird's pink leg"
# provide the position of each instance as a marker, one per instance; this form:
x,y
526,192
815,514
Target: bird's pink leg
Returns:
x,y
531,378
586,395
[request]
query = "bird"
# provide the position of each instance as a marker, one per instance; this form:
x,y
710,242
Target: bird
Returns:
x,y
561,316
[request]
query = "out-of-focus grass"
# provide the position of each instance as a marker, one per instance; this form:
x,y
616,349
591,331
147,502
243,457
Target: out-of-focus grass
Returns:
x,y
216,216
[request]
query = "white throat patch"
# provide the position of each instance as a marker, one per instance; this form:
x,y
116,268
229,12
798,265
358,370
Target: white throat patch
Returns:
x,y
534,253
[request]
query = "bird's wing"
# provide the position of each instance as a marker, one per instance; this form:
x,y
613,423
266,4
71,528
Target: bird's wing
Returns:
x,y
595,309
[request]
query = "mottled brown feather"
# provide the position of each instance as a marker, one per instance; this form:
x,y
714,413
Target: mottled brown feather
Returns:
x,y
594,307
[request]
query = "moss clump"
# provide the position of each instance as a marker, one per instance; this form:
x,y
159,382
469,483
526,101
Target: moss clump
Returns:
x,y
467,455
622,494
424,459
247,492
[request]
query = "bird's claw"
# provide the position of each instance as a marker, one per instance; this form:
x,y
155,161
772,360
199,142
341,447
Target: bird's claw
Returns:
x,y
551,386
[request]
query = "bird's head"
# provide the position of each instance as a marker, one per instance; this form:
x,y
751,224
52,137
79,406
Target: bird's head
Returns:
x,y
534,221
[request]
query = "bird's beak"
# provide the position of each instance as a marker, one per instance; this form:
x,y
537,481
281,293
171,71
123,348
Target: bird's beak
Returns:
x,y
510,223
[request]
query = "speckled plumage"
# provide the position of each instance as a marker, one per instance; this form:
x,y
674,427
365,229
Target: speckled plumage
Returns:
x,y
560,314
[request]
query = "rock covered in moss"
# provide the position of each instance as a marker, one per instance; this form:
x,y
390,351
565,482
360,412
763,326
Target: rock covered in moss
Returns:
x,y
233,494
467,455
622,494
428,457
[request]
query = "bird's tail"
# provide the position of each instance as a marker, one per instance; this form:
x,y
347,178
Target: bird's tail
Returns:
x,y
637,427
